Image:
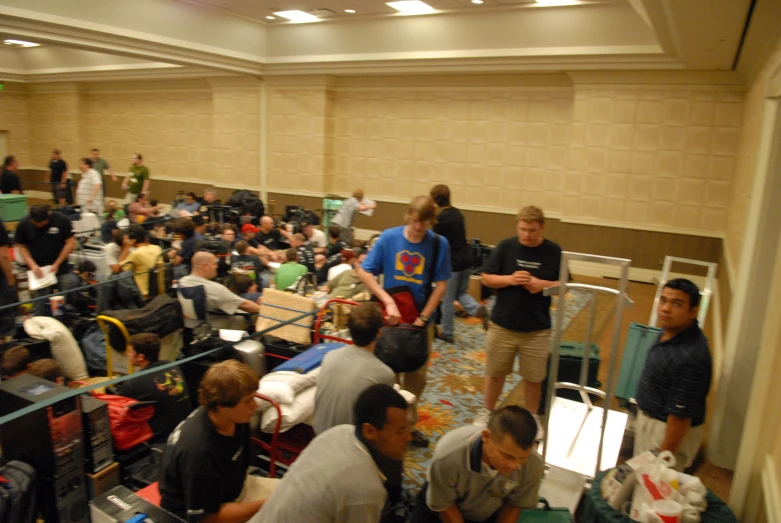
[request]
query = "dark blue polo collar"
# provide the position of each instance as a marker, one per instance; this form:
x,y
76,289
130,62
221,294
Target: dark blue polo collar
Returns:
x,y
476,456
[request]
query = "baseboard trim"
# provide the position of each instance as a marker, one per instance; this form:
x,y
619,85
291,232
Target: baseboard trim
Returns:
x,y
771,490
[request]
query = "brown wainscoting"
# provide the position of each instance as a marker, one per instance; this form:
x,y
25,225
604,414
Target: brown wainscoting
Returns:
x,y
725,290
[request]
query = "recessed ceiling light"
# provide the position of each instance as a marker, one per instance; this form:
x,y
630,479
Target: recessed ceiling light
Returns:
x,y
298,17
20,43
271,17
477,1
411,7
557,2
351,11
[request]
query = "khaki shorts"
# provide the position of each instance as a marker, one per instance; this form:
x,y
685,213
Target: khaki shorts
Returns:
x,y
650,433
532,348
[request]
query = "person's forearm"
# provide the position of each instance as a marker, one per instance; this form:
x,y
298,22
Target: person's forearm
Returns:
x,y
126,181
373,285
94,193
64,177
434,299
28,258
123,254
250,306
145,187
675,431
452,514
235,512
7,265
508,514
70,245
497,281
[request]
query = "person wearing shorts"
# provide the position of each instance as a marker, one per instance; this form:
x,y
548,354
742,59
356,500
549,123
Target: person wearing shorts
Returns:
x,y
519,268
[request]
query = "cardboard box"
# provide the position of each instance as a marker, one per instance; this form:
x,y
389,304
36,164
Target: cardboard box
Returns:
x,y
103,480
475,288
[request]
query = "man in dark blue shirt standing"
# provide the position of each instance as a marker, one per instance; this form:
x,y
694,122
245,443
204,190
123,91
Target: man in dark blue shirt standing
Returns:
x,y
676,378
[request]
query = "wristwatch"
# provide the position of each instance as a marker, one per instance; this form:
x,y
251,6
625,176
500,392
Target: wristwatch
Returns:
x,y
423,318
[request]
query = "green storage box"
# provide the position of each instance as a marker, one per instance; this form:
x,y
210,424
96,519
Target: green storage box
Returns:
x,y
330,207
639,340
13,207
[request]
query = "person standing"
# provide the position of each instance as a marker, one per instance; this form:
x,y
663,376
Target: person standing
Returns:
x,y
450,224
405,256
59,178
137,181
90,188
9,180
519,268
346,214
676,378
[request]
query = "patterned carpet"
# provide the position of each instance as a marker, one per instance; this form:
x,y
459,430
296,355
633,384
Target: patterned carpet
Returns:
x,y
454,392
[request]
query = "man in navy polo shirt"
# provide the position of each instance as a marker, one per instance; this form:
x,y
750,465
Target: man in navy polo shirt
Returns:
x,y
676,378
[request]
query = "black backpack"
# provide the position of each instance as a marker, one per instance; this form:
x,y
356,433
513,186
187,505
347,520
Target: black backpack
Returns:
x,y
17,493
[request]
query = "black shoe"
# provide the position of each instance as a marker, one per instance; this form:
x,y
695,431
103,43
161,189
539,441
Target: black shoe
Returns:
x,y
418,439
482,313
447,339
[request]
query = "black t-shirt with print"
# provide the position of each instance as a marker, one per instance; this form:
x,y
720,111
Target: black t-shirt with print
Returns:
x,y
202,469
9,182
45,243
336,248
516,308
269,240
57,167
450,224
306,256
168,390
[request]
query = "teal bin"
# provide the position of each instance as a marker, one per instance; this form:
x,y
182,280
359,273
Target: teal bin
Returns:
x,y
330,207
13,207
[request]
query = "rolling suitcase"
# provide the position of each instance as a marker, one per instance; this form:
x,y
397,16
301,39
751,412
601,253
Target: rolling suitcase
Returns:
x,y
309,359
639,340
571,357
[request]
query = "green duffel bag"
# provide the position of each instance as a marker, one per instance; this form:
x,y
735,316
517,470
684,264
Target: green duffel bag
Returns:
x,y
546,514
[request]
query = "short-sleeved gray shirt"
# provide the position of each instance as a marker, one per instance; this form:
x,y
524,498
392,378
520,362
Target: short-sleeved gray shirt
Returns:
x,y
218,296
344,374
335,480
457,475
346,213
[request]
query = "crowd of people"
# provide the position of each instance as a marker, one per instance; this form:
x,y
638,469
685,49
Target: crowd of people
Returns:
x,y
488,471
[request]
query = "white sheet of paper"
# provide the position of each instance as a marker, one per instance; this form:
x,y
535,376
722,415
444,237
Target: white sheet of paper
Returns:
x,y
35,283
274,265
232,336
367,212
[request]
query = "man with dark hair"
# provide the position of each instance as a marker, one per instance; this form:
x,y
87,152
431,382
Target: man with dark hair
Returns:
x,y
520,268
315,237
450,224
306,255
9,180
288,272
336,478
250,263
101,165
188,206
673,388
405,257
137,181
45,238
346,372
166,388
15,362
59,178
141,259
204,474
480,475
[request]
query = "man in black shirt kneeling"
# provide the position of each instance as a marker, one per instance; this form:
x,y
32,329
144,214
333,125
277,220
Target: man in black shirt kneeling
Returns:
x,y
204,475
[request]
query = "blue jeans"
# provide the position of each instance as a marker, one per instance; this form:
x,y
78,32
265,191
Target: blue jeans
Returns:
x,y
456,290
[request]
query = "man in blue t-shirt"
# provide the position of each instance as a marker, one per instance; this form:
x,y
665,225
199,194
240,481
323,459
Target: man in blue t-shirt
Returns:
x,y
403,255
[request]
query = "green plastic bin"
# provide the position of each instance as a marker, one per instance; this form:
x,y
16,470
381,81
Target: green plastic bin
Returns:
x,y
330,206
13,207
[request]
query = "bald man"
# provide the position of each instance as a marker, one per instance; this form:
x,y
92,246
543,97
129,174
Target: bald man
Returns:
x,y
218,297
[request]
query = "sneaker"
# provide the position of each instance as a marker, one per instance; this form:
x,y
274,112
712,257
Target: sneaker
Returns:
x,y
482,419
447,339
540,428
418,439
482,313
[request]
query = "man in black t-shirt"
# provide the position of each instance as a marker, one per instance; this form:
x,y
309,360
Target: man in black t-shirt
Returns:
x,y
204,473
306,255
268,236
166,388
61,185
520,268
46,238
7,284
9,180
250,263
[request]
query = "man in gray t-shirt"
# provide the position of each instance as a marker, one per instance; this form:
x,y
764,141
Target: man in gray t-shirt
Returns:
x,y
346,213
336,479
481,475
348,371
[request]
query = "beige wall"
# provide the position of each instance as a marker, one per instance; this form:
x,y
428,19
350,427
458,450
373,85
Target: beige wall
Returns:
x,y
14,118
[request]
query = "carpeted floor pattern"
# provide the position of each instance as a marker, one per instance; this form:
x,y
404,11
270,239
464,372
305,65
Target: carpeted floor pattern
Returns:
x,y
454,392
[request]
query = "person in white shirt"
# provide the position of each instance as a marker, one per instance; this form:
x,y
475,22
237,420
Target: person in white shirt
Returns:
x,y
90,188
316,237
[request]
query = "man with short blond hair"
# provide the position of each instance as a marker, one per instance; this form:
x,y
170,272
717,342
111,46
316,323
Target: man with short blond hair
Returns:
x,y
519,268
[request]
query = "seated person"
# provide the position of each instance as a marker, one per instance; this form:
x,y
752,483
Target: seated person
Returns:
x,y
186,207
288,272
249,263
84,300
348,371
305,254
47,369
142,207
66,209
269,237
248,232
142,258
113,207
346,284
113,250
15,362
244,285
204,472
228,234
334,265
218,297
108,226
315,237
201,224
335,244
481,475
336,478
166,388
184,228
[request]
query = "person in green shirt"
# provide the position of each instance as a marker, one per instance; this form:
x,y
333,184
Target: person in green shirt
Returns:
x,y
288,272
137,181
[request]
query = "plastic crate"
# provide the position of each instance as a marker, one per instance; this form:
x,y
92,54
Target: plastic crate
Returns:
x,y
13,207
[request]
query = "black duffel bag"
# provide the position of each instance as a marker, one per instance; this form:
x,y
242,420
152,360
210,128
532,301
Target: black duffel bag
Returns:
x,y
403,347
161,316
